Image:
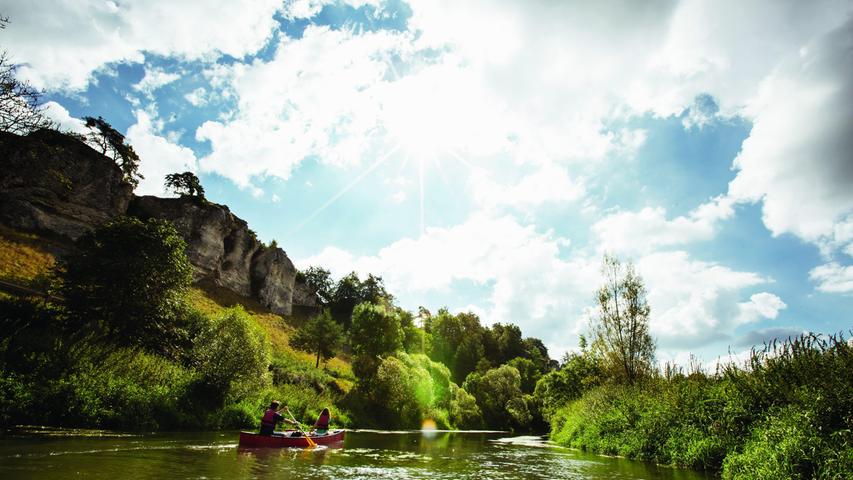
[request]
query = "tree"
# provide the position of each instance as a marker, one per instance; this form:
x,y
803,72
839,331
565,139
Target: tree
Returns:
x,y
622,327
373,290
232,356
375,332
21,111
320,280
320,335
112,143
127,280
499,396
186,183
347,294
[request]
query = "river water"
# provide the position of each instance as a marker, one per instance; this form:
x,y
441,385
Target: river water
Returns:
x,y
48,454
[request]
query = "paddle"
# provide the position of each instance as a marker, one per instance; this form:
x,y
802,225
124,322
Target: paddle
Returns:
x,y
311,443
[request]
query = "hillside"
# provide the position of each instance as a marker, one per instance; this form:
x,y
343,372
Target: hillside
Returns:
x,y
26,260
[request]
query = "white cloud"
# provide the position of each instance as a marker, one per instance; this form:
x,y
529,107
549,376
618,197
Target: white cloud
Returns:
x,y
296,9
158,156
530,280
833,278
796,161
648,229
523,272
197,97
63,119
293,106
62,43
760,306
551,183
153,79
696,303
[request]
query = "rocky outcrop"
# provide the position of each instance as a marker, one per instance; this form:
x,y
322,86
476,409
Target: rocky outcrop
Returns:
x,y
224,250
304,295
273,276
55,184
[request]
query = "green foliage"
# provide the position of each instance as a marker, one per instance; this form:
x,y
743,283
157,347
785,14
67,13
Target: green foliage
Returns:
x,y
127,280
577,375
464,412
415,340
320,280
112,143
788,415
186,183
375,332
320,335
530,373
351,291
498,394
408,389
622,330
232,357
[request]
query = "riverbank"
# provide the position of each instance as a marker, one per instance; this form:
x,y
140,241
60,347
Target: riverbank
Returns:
x,y
787,414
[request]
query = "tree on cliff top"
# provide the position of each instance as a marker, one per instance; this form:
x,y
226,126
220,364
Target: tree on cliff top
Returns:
x,y
186,183
622,327
21,111
112,143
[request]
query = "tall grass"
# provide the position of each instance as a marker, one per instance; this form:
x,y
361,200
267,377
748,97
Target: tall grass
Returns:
x,y
787,413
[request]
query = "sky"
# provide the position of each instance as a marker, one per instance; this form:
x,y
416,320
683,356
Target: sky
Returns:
x,y
484,155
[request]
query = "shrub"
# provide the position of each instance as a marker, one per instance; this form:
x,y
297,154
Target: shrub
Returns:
x,y
232,358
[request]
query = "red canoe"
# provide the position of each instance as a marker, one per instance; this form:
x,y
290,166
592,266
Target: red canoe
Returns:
x,y
284,439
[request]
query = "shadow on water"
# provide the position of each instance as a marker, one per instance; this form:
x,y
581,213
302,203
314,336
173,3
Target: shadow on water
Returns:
x,y
364,454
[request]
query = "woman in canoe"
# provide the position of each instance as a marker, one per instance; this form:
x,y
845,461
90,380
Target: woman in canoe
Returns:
x,y
321,426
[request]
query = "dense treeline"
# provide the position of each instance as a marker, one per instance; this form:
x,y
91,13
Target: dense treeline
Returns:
x,y
120,345
446,368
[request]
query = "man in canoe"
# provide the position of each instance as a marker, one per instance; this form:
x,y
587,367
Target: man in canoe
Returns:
x,y
271,418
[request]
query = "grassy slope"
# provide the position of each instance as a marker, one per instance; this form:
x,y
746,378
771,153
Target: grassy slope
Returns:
x,y
212,300
23,257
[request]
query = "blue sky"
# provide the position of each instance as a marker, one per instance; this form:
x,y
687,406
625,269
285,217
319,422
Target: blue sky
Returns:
x,y
485,155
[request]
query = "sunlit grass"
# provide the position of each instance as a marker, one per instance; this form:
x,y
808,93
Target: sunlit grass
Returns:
x,y
213,300
22,257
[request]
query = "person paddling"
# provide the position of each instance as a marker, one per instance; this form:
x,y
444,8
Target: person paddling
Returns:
x,y
272,417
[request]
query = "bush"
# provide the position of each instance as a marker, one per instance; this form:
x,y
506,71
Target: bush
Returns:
x,y
232,358
788,415
498,394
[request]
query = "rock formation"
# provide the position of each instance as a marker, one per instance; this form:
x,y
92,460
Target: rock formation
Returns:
x,y
55,184
224,250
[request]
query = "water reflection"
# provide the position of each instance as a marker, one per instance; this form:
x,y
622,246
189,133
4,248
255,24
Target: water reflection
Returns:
x,y
400,455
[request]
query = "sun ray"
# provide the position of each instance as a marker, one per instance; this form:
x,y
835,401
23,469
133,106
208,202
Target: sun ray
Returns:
x,y
440,170
461,160
421,179
344,190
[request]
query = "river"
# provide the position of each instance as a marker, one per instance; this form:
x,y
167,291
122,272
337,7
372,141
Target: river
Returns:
x,y
48,454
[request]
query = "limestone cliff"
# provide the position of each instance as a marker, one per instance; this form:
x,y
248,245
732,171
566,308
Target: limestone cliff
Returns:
x,y
224,250
54,184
